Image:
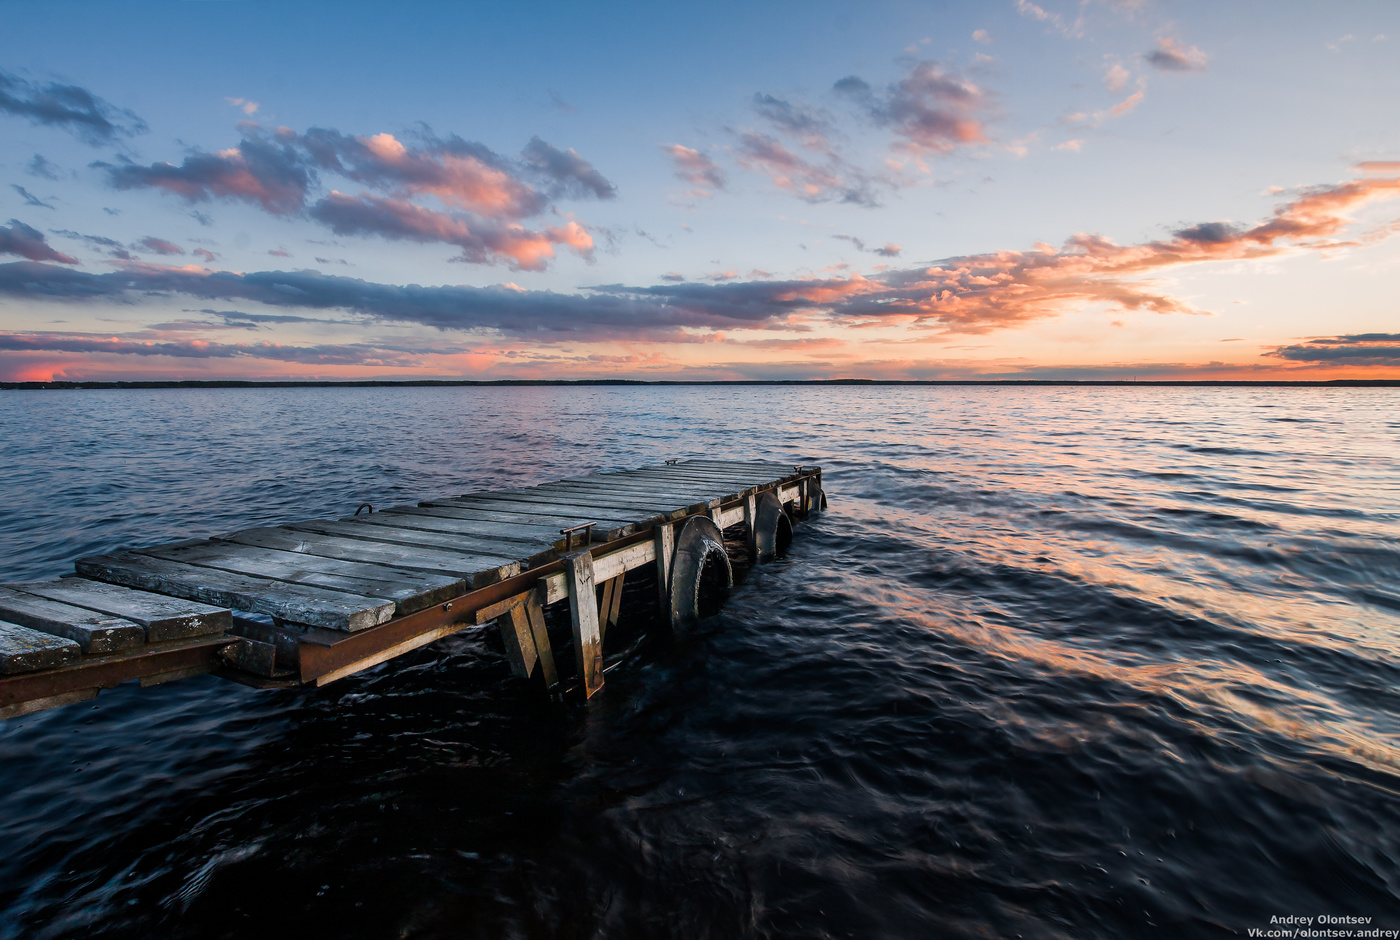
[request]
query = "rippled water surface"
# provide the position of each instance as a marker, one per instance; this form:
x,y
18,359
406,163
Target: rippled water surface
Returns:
x,y
1058,662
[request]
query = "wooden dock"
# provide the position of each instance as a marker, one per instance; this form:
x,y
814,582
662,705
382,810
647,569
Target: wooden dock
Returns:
x,y
316,601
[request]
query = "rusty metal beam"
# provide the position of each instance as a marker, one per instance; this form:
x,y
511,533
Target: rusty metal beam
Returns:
x,y
148,663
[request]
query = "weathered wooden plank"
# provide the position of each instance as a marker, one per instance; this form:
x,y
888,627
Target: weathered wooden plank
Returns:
x,y
724,518
764,465
647,481
506,511
409,590
525,533
164,618
606,520
95,633
23,649
580,506
717,482
298,603
741,481
668,493
583,614
608,528
582,502
416,555
521,544
766,475
603,494
403,531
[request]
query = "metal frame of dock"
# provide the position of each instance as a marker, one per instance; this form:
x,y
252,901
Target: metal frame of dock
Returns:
x,y
312,602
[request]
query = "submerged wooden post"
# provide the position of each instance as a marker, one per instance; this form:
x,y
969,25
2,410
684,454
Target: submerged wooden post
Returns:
x,y
665,539
583,613
751,520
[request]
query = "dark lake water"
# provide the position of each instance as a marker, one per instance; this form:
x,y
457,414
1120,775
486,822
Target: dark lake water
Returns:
x,y
1058,662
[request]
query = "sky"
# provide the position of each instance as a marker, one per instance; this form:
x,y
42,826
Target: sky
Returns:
x,y
1066,189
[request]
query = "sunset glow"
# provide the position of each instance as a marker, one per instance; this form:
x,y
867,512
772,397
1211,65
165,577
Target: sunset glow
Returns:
x,y
1099,190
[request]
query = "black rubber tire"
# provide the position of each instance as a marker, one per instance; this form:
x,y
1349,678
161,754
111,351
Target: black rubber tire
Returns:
x,y
700,564
772,527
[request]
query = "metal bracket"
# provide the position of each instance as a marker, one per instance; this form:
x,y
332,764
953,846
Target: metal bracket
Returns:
x,y
587,530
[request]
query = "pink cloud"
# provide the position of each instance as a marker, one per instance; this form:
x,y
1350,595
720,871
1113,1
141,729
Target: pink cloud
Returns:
x,y
932,108
28,242
481,242
695,167
1175,56
160,246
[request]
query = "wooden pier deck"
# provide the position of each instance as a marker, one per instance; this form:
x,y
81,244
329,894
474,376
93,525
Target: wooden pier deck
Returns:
x,y
312,602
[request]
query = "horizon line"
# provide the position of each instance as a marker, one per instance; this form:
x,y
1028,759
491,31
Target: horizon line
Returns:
x,y
429,383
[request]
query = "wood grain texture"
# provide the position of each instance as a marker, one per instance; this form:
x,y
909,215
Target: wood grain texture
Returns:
x,y
95,633
164,618
411,550
410,590
297,603
23,649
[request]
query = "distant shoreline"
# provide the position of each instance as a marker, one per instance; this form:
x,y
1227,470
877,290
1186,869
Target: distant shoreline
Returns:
x,y
427,383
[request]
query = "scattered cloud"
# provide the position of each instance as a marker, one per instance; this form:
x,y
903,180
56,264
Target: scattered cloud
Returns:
x,y
243,104
1174,56
67,107
160,246
806,180
967,294
42,167
570,174
113,247
141,345
266,172
559,103
933,109
29,198
208,256
1356,349
694,167
485,194
889,250
1073,146
481,242
1116,77
1032,11
981,35
812,128
20,239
